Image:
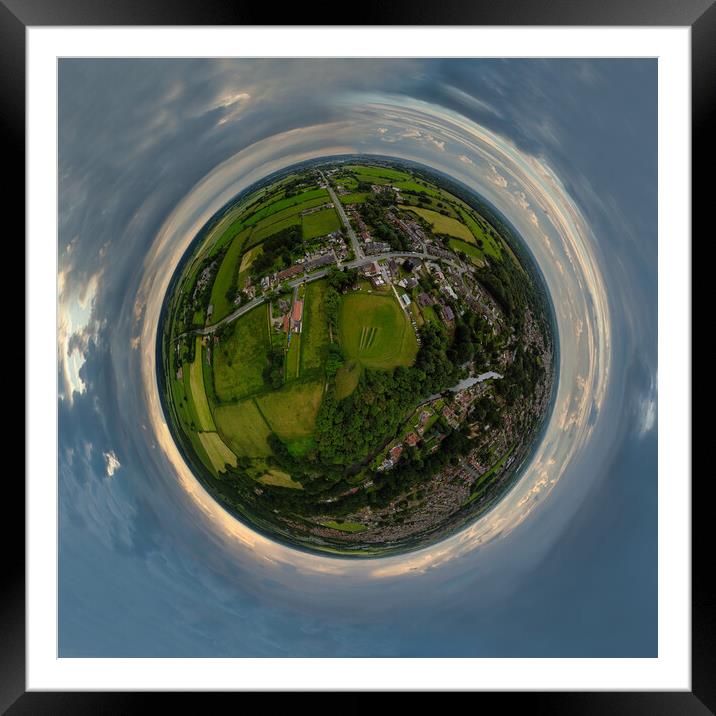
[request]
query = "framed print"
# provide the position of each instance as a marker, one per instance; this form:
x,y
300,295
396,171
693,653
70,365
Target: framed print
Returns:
x,y
346,348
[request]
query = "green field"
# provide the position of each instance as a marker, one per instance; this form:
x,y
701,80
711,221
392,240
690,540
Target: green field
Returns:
x,y
198,392
293,357
224,277
345,526
314,336
289,211
385,172
241,356
217,451
291,411
243,428
246,261
443,224
280,479
347,379
260,234
355,198
375,331
476,256
274,206
320,223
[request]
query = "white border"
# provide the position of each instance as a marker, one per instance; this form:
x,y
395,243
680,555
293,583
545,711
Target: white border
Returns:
x,y
671,670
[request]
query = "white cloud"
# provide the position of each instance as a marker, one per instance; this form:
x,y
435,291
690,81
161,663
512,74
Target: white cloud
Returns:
x,y
113,463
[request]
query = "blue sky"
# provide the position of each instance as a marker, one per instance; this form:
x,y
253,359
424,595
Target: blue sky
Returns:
x,y
565,566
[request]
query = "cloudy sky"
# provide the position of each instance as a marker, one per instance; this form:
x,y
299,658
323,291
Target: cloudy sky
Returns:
x,y
565,565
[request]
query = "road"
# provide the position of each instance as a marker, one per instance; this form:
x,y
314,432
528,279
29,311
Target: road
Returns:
x,y
344,218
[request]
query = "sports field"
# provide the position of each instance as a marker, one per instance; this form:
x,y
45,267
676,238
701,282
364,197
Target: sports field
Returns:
x,y
243,428
291,411
320,223
240,357
374,330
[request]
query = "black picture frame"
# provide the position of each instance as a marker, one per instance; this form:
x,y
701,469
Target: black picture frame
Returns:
x,y
700,15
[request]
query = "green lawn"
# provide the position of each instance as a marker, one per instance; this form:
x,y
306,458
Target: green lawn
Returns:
x,y
291,410
224,277
374,330
320,223
443,224
242,426
314,338
198,392
241,356
217,451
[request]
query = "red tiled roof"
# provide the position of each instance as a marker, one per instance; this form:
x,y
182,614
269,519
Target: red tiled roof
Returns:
x,y
297,310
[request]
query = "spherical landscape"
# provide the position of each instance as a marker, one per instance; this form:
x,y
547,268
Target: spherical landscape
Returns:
x,y
357,356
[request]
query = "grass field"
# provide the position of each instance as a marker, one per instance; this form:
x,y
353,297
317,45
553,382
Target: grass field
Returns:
x,y
355,198
314,338
347,378
246,261
240,357
290,211
293,357
243,428
476,256
385,172
320,223
259,235
217,451
224,276
345,526
280,479
301,446
198,392
443,224
273,207
291,411
374,331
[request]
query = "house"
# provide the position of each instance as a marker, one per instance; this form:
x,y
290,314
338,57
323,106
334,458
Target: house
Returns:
x,y
290,271
395,453
297,310
393,267
411,439
447,313
425,299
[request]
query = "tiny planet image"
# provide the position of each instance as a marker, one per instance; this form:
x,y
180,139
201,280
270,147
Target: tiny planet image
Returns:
x,y
356,356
